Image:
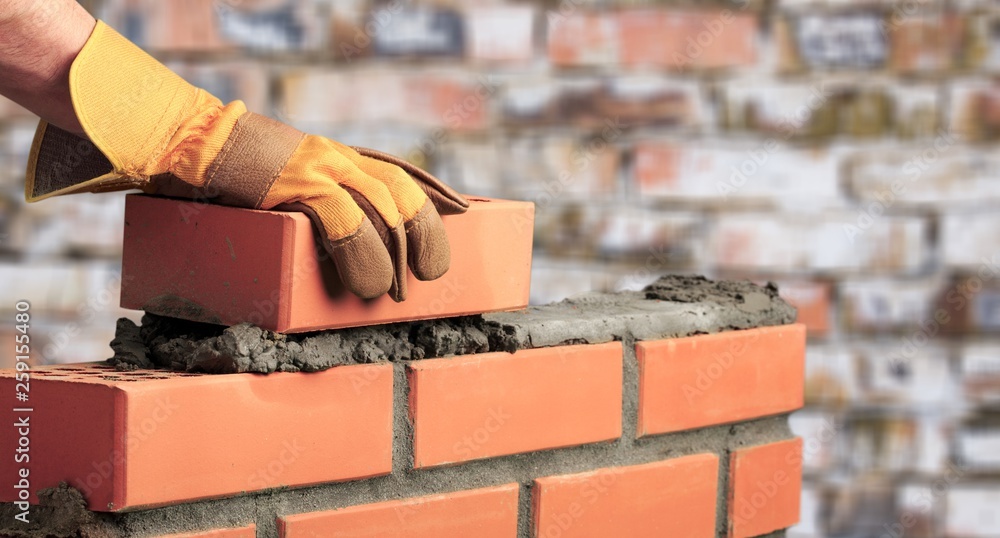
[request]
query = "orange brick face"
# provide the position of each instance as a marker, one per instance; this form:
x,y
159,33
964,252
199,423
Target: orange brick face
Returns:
x,y
182,253
764,488
691,39
582,39
481,406
699,381
137,439
669,498
483,513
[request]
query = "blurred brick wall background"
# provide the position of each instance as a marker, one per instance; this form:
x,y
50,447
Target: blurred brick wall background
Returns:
x,y
843,149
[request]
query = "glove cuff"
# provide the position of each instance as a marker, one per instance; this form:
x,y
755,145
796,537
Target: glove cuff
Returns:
x,y
135,112
61,162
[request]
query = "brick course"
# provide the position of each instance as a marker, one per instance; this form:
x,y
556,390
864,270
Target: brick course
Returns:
x,y
538,439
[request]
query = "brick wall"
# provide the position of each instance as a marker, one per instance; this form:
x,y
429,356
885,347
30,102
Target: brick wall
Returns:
x,y
856,171
626,414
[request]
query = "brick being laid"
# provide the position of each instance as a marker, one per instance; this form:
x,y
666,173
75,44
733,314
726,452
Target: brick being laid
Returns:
x,y
224,265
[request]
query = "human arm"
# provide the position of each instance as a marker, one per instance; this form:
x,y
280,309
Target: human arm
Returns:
x,y
38,43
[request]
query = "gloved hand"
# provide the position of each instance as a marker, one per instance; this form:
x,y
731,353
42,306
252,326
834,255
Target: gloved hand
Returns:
x,y
154,131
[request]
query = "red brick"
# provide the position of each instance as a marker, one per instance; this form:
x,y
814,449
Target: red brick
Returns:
x,y
227,265
582,39
250,531
926,44
699,381
483,513
149,438
764,486
687,39
812,301
494,404
675,497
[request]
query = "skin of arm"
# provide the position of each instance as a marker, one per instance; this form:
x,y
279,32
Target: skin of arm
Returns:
x,y
38,42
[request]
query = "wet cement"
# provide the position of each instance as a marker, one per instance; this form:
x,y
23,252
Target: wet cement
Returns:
x,y
673,306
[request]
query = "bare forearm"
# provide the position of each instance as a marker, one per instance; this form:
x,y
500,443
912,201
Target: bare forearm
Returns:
x,y
39,39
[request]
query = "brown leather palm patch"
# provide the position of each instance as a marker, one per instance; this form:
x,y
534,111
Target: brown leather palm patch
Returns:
x,y
251,160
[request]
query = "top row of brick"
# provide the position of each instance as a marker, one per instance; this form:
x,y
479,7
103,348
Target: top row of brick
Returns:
x,y
909,37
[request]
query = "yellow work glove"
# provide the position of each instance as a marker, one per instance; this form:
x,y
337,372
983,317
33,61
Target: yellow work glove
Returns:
x,y
154,131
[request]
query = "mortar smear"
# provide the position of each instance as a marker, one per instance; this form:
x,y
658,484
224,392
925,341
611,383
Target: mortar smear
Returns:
x,y
61,512
673,306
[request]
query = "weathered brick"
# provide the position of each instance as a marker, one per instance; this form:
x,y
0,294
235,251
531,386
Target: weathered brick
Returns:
x,y
969,241
972,510
851,242
145,438
486,513
426,100
698,381
811,300
924,43
937,175
501,32
675,497
974,109
583,39
687,39
884,304
765,482
833,374
487,405
722,173
227,265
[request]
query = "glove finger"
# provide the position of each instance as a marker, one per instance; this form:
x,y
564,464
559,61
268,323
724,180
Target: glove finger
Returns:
x,y
393,241
446,200
405,190
362,260
346,173
376,201
427,244
428,251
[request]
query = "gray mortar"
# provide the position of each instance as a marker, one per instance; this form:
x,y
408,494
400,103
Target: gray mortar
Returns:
x,y
661,311
673,306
